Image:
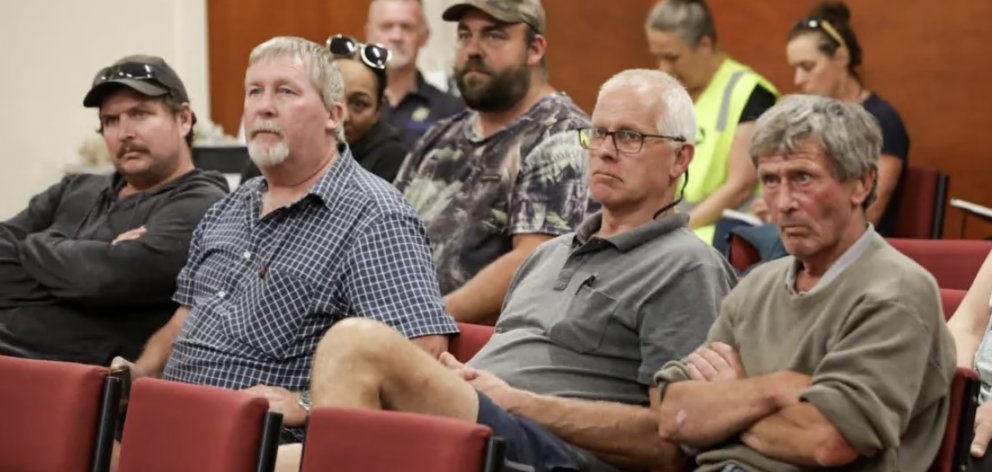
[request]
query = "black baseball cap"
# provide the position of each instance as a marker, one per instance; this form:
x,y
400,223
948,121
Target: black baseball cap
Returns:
x,y
148,75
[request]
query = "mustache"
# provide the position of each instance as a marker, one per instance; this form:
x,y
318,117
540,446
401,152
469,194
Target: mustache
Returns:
x,y
474,64
266,126
130,146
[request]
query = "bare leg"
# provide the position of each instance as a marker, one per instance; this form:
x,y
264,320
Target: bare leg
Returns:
x,y
289,458
362,363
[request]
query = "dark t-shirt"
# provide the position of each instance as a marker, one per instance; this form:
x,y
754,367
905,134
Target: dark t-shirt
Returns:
x,y
419,110
760,101
895,143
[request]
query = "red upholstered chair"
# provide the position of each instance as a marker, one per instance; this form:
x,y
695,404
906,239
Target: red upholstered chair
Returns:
x,y
56,416
172,426
471,339
919,205
954,263
954,449
951,298
353,440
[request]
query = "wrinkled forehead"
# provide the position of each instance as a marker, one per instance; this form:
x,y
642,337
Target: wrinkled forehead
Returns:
x,y
282,65
807,155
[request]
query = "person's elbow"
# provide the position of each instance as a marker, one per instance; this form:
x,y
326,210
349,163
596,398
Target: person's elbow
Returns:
x,y
831,448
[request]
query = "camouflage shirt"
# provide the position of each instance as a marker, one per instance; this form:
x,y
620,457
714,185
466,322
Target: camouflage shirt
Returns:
x,y
474,193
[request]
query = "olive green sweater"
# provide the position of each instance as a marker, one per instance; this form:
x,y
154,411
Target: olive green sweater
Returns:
x,y
874,342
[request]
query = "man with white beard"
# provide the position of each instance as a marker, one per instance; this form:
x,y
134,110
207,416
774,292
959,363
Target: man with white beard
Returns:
x,y
414,104
273,266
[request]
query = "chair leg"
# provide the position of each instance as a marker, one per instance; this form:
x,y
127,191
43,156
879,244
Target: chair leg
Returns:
x,y
268,448
495,455
107,424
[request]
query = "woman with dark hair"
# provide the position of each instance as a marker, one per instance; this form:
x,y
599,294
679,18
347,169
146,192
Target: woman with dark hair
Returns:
x,y
824,51
728,98
374,143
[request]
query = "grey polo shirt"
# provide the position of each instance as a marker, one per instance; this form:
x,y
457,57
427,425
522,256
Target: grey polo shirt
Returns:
x,y
595,318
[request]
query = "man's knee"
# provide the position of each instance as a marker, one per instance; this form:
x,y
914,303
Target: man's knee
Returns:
x,y
357,338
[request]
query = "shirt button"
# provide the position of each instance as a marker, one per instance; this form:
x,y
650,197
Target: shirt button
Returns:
x,y
247,255
221,294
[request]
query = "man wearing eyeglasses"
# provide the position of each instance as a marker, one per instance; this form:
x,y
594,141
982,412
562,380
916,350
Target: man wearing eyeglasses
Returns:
x,y
88,269
494,182
566,379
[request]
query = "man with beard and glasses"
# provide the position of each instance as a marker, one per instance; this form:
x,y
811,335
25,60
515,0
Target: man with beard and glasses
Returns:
x,y
495,181
87,270
284,258
414,104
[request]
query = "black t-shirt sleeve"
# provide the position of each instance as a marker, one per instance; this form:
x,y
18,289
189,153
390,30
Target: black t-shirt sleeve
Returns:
x,y
895,139
760,101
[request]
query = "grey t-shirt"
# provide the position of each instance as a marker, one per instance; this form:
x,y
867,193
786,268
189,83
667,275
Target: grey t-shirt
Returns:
x,y
595,318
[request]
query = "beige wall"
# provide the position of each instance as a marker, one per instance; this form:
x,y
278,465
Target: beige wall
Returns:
x,y
51,50
438,54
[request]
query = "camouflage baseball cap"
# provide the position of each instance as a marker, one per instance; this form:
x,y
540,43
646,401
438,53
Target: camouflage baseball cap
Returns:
x,y
509,11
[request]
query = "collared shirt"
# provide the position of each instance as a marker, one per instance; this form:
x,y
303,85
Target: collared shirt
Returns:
x,y
475,193
264,291
419,109
843,262
594,318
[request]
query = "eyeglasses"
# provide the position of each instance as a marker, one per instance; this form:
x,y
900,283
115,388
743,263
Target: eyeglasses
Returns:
x,y
822,25
624,140
129,70
374,55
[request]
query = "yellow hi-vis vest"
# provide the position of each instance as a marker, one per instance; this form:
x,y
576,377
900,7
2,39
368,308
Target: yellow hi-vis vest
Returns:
x,y
718,111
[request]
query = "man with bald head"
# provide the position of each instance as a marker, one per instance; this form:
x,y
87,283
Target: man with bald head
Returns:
x,y
414,105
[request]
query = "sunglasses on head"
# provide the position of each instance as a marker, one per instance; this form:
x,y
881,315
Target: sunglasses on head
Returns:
x,y
128,70
373,55
823,25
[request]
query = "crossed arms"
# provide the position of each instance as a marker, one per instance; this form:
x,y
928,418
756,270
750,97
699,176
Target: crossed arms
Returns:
x,y
721,402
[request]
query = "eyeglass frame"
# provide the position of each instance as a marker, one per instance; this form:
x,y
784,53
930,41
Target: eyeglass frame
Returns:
x,y
616,145
359,48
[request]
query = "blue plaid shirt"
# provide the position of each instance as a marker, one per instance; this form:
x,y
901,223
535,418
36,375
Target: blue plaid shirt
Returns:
x,y
264,291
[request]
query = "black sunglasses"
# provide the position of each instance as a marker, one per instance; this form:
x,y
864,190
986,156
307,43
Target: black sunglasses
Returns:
x,y
376,56
129,70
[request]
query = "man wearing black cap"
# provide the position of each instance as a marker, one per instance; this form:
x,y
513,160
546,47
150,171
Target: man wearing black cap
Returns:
x,y
88,269
495,181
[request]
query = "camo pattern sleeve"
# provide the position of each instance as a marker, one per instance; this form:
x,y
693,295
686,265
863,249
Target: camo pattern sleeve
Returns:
x,y
475,192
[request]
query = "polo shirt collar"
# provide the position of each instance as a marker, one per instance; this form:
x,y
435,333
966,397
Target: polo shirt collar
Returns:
x,y
631,238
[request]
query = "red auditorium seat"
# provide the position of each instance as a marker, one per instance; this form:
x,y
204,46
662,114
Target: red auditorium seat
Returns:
x,y
954,263
172,426
954,449
471,339
353,440
951,298
919,205
56,416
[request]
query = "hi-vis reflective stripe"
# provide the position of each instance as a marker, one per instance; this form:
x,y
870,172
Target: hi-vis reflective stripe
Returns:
x,y
728,91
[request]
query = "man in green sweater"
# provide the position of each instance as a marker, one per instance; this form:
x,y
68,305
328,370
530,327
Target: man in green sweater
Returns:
x,y
836,356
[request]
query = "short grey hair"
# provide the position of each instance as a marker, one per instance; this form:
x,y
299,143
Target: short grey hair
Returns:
x,y
324,72
691,19
849,135
677,114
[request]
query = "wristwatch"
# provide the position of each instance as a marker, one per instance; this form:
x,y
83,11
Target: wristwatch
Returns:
x,y
305,401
